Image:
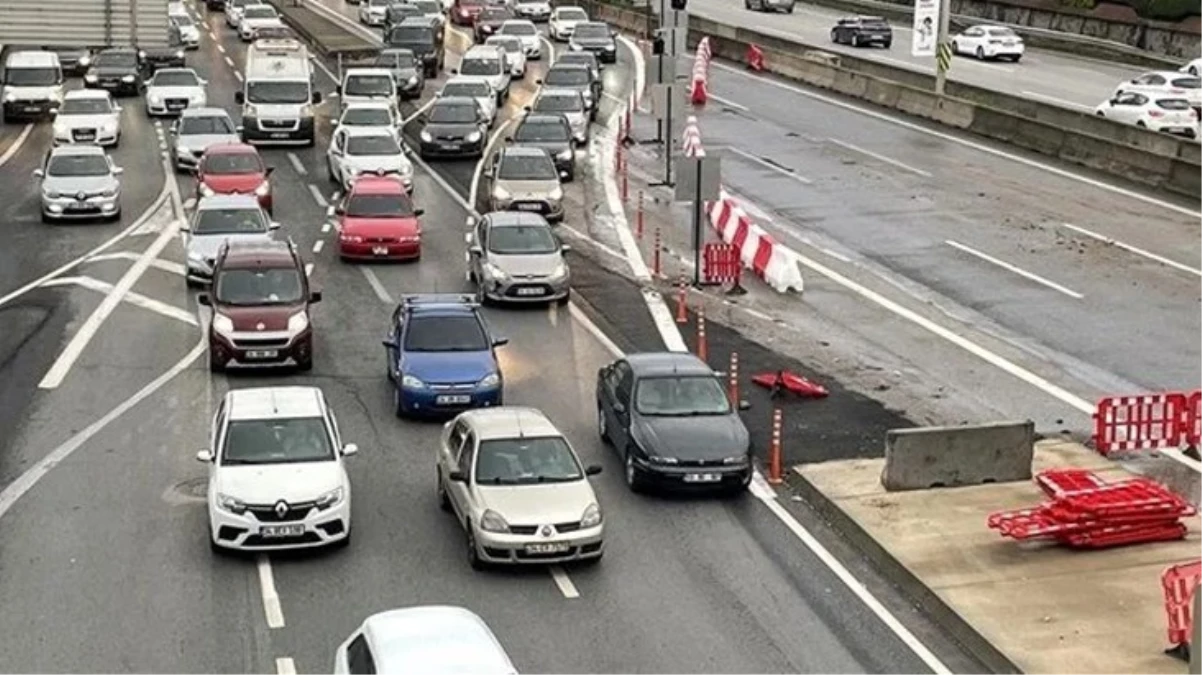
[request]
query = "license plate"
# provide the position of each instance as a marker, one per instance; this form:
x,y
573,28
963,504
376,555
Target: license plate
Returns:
x,y
32,108
547,548
282,530
450,146
176,106
453,399
85,137
279,134
80,206
530,207
531,291
702,477
262,354
379,250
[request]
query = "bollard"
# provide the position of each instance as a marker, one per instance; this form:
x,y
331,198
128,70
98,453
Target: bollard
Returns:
x,y
638,223
774,459
625,184
629,116
655,259
733,384
703,349
682,301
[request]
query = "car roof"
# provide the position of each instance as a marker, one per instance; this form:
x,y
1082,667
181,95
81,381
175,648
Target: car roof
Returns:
x,y
368,184
210,111
551,92
522,151
264,403
543,118
231,149
647,364
374,72
466,79
1167,73
519,21
576,56
74,149
570,7
422,20
352,130
88,93
369,105
118,50
32,58
227,201
515,219
568,66
397,50
482,51
455,100
509,422
434,639
250,254
439,305
176,70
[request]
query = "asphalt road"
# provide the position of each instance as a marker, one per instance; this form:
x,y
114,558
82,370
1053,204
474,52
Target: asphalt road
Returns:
x,y
108,545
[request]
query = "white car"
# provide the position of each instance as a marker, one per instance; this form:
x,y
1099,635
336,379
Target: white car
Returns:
x,y
358,150
255,17
518,489
487,64
515,53
534,10
431,9
189,34
1170,115
1193,67
377,115
434,640
361,85
171,90
88,116
563,22
1166,83
527,32
374,12
234,9
276,474
989,42
472,88
176,8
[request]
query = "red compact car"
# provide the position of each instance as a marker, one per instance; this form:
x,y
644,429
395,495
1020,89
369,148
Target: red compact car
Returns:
x,y
234,168
376,221
464,12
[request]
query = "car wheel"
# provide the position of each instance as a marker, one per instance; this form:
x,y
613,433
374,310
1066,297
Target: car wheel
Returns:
x,y
1193,70
634,478
46,218
215,366
1141,124
746,4
955,47
980,53
1016,58
444,502
1100,113
473,555
887,44
835,37
602,426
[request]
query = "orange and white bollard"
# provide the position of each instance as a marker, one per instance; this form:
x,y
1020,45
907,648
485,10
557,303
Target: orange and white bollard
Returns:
x,y
655,263
682,301
638,222
625,183
703,349
732,387
775,475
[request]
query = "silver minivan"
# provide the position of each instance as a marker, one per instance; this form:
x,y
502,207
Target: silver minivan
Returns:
x,y
33,85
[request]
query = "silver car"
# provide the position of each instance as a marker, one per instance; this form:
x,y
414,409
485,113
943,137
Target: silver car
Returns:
x,y
525,179
189,34
575,77
79,182
515,257
371,115
172,90
486,63
218,219
88,116
570,104
358,150
196,130
472,88
515,54
527,32
398,641
431,9
373,12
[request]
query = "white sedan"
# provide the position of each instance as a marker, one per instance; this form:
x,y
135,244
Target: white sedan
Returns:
x,y
989,42
473,88
1165,83
527,32
515,53
1170,115
171,90
373,12
1193,67
563,22
88,116
359,150
255,17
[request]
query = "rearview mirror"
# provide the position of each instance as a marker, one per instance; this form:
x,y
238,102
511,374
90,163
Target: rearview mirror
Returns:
x,y
203,299
316,98
419,212
476,249
38,173
185,228
391,344
117,171
315,296
457,476
592,469
205,456
273,225
239,97
565,248
500,342
270,170
349,449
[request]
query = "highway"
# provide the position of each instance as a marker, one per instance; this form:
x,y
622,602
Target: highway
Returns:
x,y
102,518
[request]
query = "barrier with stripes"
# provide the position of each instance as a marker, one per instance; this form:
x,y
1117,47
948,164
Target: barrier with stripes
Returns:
x,y
1180,583
1147,422
701,69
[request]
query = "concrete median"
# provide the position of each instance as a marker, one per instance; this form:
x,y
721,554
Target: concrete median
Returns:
x,y
926,457
328,37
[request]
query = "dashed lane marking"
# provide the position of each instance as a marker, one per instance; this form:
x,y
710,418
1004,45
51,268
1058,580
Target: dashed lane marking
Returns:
x,y
1010,267
879,157
564,583
377,287
16,144
318,245
1134,249
158,263
285,666
317,196
271,598
297,165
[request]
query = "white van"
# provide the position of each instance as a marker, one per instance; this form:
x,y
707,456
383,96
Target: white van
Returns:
x,y
33,84
488,63
367,85
278,97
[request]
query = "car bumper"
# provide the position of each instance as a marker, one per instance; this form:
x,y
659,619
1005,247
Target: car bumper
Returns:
x,y
552,211
537,15
1003,52
875,39
266,201
503,548
533,53
245,532
191,43
102,139
526,291
452,149
118,87
162,108
401,250
301,132
427,401
237,353
199,273
667,477
1188,130
29,108
73,209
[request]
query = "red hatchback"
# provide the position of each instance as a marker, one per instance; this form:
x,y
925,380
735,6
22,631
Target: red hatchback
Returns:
x,y
234,168
376,221
464,12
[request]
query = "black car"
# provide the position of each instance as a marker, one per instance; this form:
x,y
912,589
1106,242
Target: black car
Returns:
x,y
73,60
215,5
396,13
117,69
455,126
171,56
861,31
668,416
489,20
595,37
577,78
423,37
552,133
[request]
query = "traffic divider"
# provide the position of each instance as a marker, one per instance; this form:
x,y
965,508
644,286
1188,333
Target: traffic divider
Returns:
x,y
721,265
701,65
759,251
1147,422
755,57
1180,583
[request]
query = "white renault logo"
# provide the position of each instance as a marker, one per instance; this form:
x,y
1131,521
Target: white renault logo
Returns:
x,y
281,508
547,531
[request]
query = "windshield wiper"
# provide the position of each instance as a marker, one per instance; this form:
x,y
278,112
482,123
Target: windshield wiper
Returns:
x,y
557,479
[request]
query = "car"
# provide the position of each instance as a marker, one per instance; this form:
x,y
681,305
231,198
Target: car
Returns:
x,y
430,9
489,20
570,104
189,34
376,220
73,60
407,72
464,12
171,90
362,85
355,151
234,168
434,639
588,60
171,55
668,417
374,115
595,37
32,85
527,32
515,257
486,64
215,221
785,6
233,11
374,12
176,8
461,87
255,17
1170,115
197,130
1193,67
453,127
79,182
1168,84
215,5
989,42
550,132
573,78
117,69
538,11
88,116
525,179
515,54
276,474
442,357
420,36
261,302
564,20
396,13
860,31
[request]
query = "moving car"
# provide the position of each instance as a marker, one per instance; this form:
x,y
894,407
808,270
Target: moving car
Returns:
x,y
1193,67
552,133
261,300
430,9
72,60
189,34
397,12
420,36
117,69
374,12
486,64
518,489
362,85
1170,115
442,357
668,416
234,168
573,78
275,33
515,257
527,32
454,127
172,90
595,37
33,84
407,71
79,182
355,151
460,87
377,115
515,54
464,12
434,639
489,20
279,97
197,130
860,31
255,17
1166,83
171,55
217,220
88,116
564,20
785,6
989,42
534,10
525,179
376,220
276,477
570,104
233,11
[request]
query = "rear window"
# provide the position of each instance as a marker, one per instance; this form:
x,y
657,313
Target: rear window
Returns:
x,y
233,163
369,85
1002,32
1173,104
379,206
411,34
1187,82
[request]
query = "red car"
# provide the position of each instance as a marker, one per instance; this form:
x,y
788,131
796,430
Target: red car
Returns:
x,y
377,221
234,168
464,12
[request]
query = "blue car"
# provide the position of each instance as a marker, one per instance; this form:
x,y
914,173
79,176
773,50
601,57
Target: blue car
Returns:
x,y
441,357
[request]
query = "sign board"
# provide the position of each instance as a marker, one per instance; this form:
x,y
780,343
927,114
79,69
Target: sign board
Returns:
x,y
926,27
660,108
698,178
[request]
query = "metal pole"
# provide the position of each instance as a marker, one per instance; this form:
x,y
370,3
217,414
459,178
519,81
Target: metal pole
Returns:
x,y
659,124
945,13
668,136
697,230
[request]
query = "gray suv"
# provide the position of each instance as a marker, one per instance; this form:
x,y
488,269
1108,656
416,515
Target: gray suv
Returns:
x,y
516,257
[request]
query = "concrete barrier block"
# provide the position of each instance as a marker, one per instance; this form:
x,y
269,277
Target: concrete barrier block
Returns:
x,y
917,102
805,70
882,92
955,113
1143,167
852,84
927,457
818,56
1185,178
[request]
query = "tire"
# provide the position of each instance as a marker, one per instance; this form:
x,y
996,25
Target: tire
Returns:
x,y
980,53
473,556
955,47
835,37
747,4
603,427
444,502
634,478
1100,113
47,219
1193,70
888,44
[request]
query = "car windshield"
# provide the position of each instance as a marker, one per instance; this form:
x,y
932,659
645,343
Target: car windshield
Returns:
x,y
373,146
260,286
236,3
542,132
85,106
452,114
1187,82
78,165
522,240
591,31
559,104
510,44
272,91
427,6
367,117
182,20
1173,104
275,32
232,163
519,29
579,58
527,167
259,12
229,221
566,77
1002,32
516,461
210,124
874,23
572,14
380,206
116,60
174,78
445,334
369,85
410,35
494,14
277,441
468,89
404,59
30,77
676,395
480,66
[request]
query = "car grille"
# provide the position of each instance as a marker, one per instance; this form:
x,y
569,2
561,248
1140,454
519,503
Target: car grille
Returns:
x,y
176,103
267,514
528,291
453,386
257,540
560,528
381,240
278,124
83,134
699,462
261,342
450,138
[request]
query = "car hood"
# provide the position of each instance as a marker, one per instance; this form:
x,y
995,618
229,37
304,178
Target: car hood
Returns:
x,y
569,23
553,148
200,142
261,23
577,120
207,245
267,484
586,90
692,438
456,130
381,227
274,110
71,184
403,75
176,92
382,163
538,189
592,43
190,32
112,71
227,183
544,504
86,121
272,317
538,265
449,367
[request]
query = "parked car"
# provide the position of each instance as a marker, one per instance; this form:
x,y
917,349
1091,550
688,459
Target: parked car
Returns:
x,y
420,36
73,60
116,69
989,42
515,54
172,90
862,31
527,32
406,69
486,64
358,151
538,11
570,104
574,78
380,116
464,12
255,17
374,12
515,257
189,34
1170,115
480,90
79,182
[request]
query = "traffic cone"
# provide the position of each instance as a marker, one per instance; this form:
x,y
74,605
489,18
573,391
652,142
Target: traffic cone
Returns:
x,y
699,95
755,58
784,380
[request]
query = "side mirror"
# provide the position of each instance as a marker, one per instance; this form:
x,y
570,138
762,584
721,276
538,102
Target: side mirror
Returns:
x,y
527,108
349,449
457,476
117,171
174,131
116,109
204,83
744,405
476,249
338,89
565,248
315,296
334,123
592,469
185,228
273,225
539,81
204,299
316,98
419,212
619,408
270,170
454,71
205,456
391,344
509,140
471,221
339,210
500,342
239,97
1113,101
239,128
54,112
38,173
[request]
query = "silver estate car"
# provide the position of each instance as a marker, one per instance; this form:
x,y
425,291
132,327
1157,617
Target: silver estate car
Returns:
x,y
196,130
218,219
525,179
568,103
79,182
515,257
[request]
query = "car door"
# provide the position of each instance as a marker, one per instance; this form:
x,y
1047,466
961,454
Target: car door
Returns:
x,y
480,237
216,444
1127,107
393,342
460,492
359,659
623,399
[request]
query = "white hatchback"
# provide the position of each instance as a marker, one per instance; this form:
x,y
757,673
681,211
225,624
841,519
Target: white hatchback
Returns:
x,y
527,32
1167,84
1170,115
563,22
433,640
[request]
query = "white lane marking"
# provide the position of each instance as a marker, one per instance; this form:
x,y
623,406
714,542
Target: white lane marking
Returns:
x,y
271,598
221,48
308,269
582,318
189,203
213,36
296,164
133,298
616,98
1133,249
877,156
1058,101
1013,268
769,165
665,323
377,287
285,666
598,245
16,144
238,75
318,245
317,196
837,256
229,62
640,74
730,104
550,48
158,263
474,192
325,227
421,110
564,583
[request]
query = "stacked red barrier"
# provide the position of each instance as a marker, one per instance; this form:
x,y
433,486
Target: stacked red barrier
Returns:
x,y
1087,512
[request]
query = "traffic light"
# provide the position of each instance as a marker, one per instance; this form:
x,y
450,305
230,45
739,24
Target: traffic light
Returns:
x,y
679,5
657,45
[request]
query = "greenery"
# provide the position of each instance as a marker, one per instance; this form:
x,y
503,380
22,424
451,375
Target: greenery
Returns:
x,y
1155,10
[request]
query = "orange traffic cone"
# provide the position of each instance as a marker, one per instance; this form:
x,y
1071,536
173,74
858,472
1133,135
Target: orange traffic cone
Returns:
x,y
755,58
699,95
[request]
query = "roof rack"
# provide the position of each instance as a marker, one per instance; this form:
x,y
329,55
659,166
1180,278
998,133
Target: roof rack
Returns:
x,y
427,299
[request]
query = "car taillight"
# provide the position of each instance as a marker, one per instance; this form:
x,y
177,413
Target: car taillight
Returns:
x,y
995,42
1155,113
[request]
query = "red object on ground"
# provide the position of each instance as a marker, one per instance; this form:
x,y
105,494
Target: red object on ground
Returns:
x,y
755,57
1180,583
783,379
1145,422
638,229
1192,426
720,263
655,261
682,302
699,96
732,390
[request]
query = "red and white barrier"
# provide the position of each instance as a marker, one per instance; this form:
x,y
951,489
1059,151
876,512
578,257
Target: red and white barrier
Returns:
x,y
691,145
701,70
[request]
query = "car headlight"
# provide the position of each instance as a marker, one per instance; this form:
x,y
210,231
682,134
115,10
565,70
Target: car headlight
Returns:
x,y
350,239
736,460
206,191
61,130
85,61
494,272
90,77
501,194
264,189
473,137
109,127
413,81
223,324
298,322
196,257
591,517
306,110
127,79
491,380
574,46
426,137
231,504
565,154
9,96
51,194
354,170
609,48
179,54
491,521
155,99
556,194
411,382
331,498
560,271
109,192
141,54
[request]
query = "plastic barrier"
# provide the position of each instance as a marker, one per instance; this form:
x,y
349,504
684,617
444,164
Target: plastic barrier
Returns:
x,y
1179,583
691,141
720,263
1191,428
1145,422
701,67
755,57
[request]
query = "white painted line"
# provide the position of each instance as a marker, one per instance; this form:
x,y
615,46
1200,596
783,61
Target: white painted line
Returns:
x,y
550,48
285,666
145,302
834,254
1134,249
16,144
317,196
221,48
238,75
617,99
599,246
474,192
1013,268
189,203
213,36
377,287
564,583
271,598
665,323
296,164
769,165
730,104
640,74
1058,101
229,62
308,269
158,263
582,318
318,245
325,227
877,156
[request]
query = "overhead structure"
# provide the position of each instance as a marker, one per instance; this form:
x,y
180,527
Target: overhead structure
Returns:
x,y
83,23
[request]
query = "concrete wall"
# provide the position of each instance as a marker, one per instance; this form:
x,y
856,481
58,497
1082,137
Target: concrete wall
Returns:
x,y
83,23
926,457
